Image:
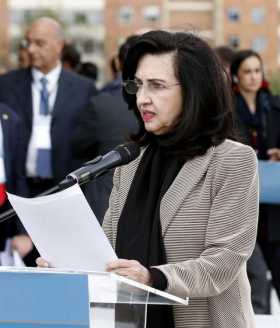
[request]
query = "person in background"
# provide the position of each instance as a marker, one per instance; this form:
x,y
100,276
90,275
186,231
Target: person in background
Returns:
x,y
12,179
105,124
71,58
258,120
118,66
114,66
225,55
3,69
89,70
183,215
48,99
23,55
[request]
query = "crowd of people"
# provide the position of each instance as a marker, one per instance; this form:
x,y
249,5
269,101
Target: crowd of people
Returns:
x,y
183,217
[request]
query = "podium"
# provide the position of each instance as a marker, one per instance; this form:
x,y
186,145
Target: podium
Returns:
x,y
51,298
269,173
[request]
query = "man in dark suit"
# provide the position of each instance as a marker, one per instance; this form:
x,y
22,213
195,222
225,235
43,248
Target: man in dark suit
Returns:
x,y
105,124
49,101
11,177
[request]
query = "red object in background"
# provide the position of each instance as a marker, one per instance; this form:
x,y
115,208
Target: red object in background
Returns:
x,y
265,86
3,195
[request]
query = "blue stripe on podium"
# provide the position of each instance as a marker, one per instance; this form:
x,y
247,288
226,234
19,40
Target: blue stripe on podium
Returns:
x,y
34,299
269,182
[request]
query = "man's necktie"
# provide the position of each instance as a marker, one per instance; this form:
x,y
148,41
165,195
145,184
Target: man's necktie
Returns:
x,y
44,155
44,97
44,163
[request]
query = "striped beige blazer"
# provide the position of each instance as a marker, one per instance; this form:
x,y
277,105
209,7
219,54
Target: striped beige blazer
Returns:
x,y
209,222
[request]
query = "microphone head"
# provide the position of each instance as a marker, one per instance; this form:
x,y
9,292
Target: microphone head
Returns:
x,y
128,152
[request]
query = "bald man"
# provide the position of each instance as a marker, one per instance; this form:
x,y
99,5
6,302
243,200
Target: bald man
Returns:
x,y
48,100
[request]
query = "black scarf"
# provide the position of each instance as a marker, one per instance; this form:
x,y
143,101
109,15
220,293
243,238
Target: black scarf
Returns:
x,y
254,126
139,230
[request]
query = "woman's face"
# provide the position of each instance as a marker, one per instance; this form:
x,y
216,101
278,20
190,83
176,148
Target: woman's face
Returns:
x,y
250,75
159,98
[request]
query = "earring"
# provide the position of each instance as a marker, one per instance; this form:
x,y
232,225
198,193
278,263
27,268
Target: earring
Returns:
x,y
235,79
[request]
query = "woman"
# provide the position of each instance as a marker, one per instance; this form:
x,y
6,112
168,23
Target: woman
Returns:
x,y
188,205
183,215
257,110
258,119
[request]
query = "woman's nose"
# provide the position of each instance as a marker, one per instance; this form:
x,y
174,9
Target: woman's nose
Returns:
x,y
142,95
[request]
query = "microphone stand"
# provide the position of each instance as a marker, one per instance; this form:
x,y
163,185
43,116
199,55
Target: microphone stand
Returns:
x,y
11,212
78,176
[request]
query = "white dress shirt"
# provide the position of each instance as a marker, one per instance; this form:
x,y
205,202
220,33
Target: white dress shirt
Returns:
x,y
40,135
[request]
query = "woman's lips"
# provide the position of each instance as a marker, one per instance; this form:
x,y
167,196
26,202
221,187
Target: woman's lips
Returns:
x,y
147,116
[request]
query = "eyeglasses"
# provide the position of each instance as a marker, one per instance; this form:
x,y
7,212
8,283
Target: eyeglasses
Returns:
x,y
153,86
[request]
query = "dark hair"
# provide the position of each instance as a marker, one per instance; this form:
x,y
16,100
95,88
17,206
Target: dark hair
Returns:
x,y
123,49
71,55
113,67
89,70
225,54
207,102
239,57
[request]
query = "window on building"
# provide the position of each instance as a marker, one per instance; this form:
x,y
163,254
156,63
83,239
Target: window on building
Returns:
x,y
28,16
259,43
17,16
234,14
96,17
151,13
258,15
81,18
234,42
67,16
88,46
126,14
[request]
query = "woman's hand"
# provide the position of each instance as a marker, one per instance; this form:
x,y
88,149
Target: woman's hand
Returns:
x,y
131,269
274,154
42,263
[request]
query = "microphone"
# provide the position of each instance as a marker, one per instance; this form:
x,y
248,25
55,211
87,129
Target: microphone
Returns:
x,y
121,155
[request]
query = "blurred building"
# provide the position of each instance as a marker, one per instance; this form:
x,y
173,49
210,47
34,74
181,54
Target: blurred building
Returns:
x,y
239,24
123,18
82,22
99,26
253,24
4,34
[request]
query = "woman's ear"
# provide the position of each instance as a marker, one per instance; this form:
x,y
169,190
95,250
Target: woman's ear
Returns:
x,y
235,79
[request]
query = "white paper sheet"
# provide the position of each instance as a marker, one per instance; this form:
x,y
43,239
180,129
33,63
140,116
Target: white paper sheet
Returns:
x,y
65,230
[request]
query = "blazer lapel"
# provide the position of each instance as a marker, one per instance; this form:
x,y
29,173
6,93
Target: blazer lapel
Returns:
x,y
24,87
63,94
182,186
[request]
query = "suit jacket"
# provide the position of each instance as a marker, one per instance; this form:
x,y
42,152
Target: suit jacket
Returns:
x,y
106,123
73,96
13,151
209,222
13,166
